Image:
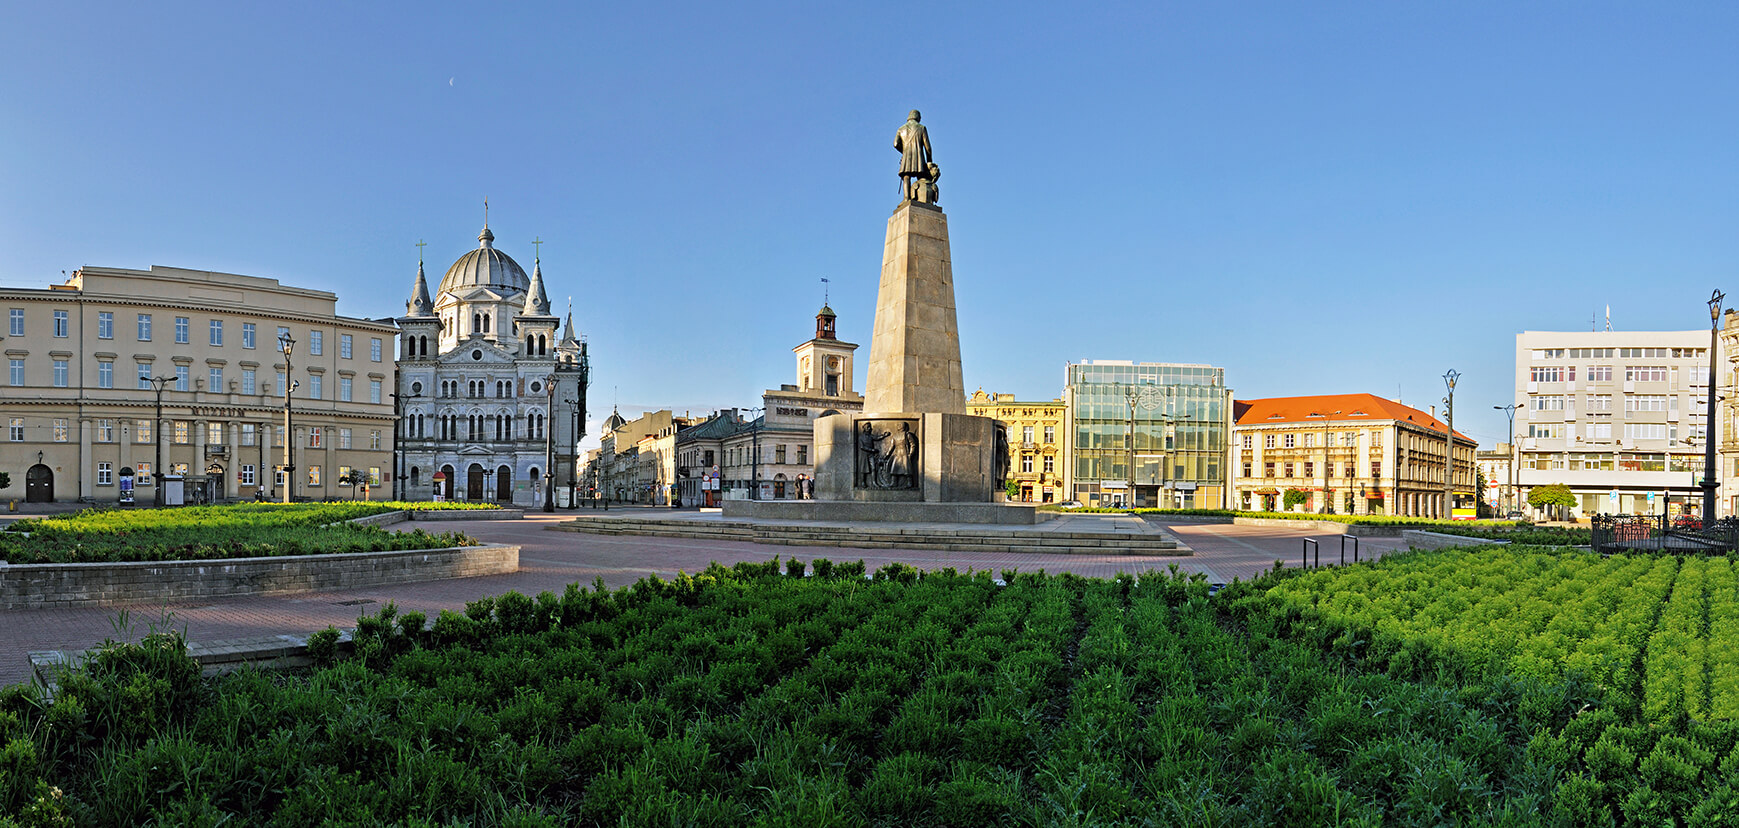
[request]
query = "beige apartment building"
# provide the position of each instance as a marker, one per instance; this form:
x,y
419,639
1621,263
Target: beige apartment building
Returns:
x,y
1035,455
1349,454
119,375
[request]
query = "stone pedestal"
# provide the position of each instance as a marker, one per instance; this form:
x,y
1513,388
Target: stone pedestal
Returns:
x,y
915,353
914,455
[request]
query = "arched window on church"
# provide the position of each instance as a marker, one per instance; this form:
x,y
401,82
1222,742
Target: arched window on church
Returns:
x,y
486,323
542,345
529,343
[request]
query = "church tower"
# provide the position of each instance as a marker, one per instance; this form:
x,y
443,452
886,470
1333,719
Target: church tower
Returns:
x,y
824,363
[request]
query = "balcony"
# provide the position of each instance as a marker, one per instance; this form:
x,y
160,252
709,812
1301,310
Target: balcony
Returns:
x,y
216,451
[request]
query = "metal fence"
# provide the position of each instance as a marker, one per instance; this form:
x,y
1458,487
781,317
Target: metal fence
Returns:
x,y
1659,533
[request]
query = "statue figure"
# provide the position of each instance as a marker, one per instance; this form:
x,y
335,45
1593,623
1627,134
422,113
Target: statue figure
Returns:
x,y
902,462
868,457
913,142
999,456
928,192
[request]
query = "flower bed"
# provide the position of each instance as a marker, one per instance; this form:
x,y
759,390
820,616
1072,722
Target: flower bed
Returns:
x,y
244,530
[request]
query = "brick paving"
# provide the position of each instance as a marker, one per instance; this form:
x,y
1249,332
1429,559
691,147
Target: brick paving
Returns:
x,y
551,560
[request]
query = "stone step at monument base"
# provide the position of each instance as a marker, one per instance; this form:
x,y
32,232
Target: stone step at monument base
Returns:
x,y
972,539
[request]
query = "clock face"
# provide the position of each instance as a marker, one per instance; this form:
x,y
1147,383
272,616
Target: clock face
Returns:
x,y
833,362
1150,398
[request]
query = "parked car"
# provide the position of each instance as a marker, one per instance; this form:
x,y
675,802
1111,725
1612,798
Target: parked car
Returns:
x,y
1070,504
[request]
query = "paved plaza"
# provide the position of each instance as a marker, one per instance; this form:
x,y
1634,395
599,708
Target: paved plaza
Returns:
x,y
551,560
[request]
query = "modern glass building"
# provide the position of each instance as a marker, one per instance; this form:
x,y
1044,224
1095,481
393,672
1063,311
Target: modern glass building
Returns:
x,y
1179,417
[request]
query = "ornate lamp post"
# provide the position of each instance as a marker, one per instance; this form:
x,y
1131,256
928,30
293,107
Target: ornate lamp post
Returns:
x,y
549,448
401,431
288,345
755,454
1449,379
157,384
573,445
1510,496
1710,483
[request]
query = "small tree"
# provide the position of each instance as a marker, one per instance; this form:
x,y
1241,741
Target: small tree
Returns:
x,y
1294,497
1012,490
1553,497
1485,509
5,480
356,479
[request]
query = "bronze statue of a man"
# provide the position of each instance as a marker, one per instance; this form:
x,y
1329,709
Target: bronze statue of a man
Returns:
x,y
913,142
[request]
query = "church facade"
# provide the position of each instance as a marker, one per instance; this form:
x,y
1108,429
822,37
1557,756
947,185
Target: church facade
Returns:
x,y
489,386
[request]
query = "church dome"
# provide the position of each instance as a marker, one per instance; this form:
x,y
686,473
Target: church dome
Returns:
x,y
485,267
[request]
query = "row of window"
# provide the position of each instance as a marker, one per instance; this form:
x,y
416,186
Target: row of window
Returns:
x,y
1628,461
1603,373
1603,431
1620,353
741,455
214,379
1346,439
1603,402
181,431
1309,469
215,327
246,474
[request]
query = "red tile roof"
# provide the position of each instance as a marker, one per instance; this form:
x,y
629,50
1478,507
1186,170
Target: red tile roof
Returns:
x,y
1332,408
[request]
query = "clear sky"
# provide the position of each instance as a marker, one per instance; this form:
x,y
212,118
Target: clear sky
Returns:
x,y
1319,197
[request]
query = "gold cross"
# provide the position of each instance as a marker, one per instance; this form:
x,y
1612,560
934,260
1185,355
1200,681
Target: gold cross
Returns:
x,y
539,254
420,245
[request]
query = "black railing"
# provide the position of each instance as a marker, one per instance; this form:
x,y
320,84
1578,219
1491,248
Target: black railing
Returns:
x,y
1661,533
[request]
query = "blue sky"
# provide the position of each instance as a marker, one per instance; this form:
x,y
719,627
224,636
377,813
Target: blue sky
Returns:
x,y
1321,198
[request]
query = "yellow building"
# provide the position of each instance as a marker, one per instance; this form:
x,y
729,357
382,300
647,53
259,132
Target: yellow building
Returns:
x,y
117,371
1035,455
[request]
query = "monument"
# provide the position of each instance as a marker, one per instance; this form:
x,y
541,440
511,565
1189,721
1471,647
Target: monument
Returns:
x,y
913,454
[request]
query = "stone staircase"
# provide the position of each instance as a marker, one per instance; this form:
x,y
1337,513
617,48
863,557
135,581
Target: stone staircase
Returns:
x,y
861,536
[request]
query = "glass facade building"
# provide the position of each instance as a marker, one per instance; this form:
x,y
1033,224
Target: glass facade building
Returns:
x,y
1161,427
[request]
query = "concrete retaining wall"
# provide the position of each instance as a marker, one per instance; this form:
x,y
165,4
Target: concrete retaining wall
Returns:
x,y
34,586
1420,539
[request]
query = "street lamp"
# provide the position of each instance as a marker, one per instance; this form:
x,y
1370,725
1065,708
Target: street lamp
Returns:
x,y
549,448
573,445
1131,394
1710,483
157,384
1510,498
401,430
755,454
288,345
1449,379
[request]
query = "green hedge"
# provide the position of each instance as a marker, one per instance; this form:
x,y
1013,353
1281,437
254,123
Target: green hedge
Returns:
x,y
243,530
1353,520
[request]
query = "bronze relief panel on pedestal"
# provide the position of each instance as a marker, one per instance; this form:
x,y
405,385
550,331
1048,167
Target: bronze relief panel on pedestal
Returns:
x,y
887,454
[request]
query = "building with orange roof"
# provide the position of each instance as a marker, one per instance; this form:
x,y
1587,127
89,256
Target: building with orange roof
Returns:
x,y
1348,454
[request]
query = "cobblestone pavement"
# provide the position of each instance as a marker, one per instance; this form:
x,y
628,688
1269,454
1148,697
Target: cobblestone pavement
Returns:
x,y
551,560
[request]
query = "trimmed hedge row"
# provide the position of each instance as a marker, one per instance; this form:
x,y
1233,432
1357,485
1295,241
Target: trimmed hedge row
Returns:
x,y
242,530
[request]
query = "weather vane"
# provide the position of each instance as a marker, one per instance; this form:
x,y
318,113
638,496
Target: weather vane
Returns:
x,y
824,289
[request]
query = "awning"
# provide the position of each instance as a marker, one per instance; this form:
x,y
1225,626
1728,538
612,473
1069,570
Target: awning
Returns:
x,y
1267,491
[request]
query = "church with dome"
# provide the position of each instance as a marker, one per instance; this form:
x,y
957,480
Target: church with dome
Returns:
x,y
488,381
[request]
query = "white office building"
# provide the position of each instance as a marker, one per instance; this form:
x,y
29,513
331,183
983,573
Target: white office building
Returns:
x,y
1618,416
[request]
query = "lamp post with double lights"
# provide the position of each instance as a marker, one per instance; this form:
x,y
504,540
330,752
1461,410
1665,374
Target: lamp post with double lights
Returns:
x,y
1710,483
573,446
755,454
549,448
1449,378
401,431
1510,496
157,384
288,346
